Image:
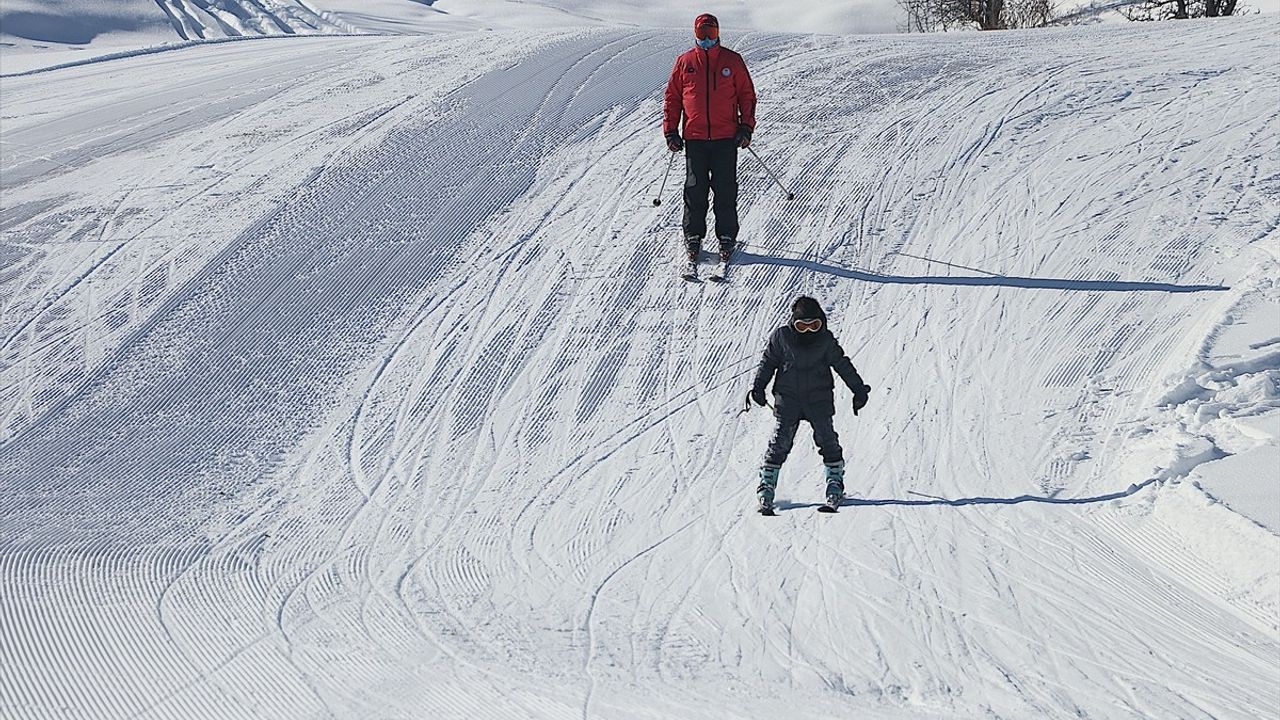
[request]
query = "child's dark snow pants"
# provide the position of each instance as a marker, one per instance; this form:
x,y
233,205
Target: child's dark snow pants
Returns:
x,y
784,435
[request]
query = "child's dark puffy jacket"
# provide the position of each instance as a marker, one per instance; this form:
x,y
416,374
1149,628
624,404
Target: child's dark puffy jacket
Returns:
x,y
800,368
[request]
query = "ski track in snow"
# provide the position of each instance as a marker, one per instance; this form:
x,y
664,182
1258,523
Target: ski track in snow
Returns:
x,y
347,378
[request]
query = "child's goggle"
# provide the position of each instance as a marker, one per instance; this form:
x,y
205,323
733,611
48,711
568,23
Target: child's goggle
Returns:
x,y
813,325
707,31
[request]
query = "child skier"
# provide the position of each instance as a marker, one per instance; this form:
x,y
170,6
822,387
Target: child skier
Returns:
x,y
799,359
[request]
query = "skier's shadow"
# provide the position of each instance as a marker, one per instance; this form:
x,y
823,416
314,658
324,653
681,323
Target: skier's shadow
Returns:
x,y
959,502
985,280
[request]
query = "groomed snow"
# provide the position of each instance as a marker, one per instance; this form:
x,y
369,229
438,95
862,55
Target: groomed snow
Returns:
x,y
350,377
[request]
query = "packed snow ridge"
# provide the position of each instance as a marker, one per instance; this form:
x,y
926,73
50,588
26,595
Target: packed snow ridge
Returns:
x,y
351,377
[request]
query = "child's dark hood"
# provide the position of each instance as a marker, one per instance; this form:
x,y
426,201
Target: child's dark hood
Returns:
x,y
806,308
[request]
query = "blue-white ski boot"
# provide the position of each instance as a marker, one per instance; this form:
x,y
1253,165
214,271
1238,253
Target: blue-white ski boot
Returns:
x,y
835,487
768,483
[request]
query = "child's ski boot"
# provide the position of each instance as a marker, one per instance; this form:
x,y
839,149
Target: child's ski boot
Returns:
x,y
768,483
835,487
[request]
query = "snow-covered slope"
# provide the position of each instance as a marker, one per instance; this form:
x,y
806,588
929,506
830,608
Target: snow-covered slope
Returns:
x,y
349,377
41,33
811,16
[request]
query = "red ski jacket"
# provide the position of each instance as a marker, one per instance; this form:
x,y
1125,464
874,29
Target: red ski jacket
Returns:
x,y
713,91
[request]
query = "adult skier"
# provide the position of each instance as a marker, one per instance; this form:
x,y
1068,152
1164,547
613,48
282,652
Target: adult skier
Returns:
x,y
711,91
799,359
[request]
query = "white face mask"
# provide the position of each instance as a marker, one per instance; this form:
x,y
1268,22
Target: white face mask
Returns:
x,y
708,43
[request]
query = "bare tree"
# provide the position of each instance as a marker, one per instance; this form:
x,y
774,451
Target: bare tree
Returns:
x,y
1219,8
1157,10
1180,9
1029,13
943,15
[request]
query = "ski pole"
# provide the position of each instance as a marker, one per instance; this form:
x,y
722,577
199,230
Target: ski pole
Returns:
x,y
670,161
790,195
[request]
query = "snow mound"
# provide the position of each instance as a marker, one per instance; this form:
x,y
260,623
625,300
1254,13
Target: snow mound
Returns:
x,y
1223,415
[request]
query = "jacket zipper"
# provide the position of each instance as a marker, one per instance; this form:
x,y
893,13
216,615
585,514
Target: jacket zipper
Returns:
x,y
710,87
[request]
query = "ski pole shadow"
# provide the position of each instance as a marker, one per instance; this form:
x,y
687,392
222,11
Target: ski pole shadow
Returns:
x,y
985,280
926,500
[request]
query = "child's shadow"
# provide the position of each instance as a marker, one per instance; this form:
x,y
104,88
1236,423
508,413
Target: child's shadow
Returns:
x,y
923,499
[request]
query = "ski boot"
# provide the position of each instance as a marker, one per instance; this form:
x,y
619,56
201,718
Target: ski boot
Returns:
x,y
768,483
693,248
721,273
835,487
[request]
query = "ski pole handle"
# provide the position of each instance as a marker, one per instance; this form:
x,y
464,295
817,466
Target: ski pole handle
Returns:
x,y
776,181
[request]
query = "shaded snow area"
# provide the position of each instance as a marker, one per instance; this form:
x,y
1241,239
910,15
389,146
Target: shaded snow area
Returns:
x,y
351,377
38,33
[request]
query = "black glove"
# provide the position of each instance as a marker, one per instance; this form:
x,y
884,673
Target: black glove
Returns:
x,y
674,143
860,398
743,138
757,397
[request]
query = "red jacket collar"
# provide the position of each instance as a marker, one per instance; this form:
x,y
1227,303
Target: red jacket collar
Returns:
x,y
712,54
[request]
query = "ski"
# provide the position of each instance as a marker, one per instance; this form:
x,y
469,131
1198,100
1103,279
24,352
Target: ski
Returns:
x,y
767,511
824,508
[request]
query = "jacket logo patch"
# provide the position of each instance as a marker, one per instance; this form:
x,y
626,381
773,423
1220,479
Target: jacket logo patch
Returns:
x,y
726,72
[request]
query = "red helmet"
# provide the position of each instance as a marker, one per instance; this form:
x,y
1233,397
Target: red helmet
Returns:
x,y
706,27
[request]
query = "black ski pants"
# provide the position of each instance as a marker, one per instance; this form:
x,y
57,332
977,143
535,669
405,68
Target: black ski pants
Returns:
x,y
710,165
784,435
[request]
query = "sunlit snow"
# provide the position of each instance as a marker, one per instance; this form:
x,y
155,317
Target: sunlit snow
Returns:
x,y
350,376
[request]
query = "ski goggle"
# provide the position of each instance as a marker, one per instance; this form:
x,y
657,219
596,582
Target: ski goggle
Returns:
x,y
804,326
707,31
